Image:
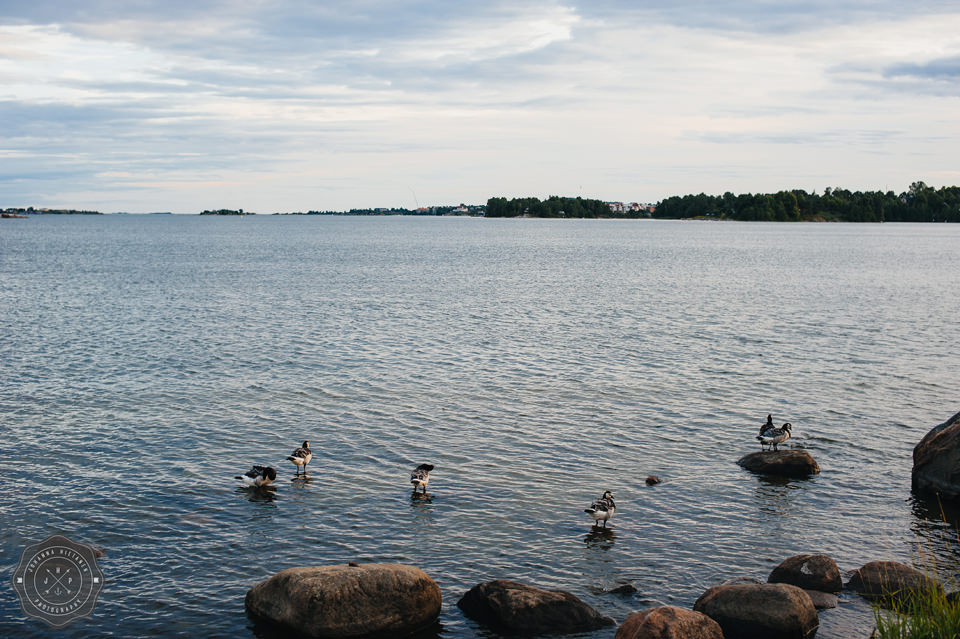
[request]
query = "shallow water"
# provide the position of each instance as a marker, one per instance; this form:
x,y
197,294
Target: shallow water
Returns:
x,y
147,360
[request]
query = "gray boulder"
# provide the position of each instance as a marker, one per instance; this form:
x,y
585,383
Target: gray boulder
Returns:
x,y
810,572
517,608
348,601
762,611
890,581
794,462
936,461
669,622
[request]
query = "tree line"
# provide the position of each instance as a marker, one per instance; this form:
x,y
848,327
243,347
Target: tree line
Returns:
x,y
920,203
554,206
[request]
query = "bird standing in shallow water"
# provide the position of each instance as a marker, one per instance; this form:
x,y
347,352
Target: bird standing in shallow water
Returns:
x,y
420,477
259,477
301,457
774,436
602,509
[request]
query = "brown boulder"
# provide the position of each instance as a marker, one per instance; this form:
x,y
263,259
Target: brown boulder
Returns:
x,y
669,622
348,601
518,608
763,611
936,461
786,463
890,581
810,572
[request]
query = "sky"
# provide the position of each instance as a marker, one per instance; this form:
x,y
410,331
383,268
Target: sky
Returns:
x,y
296,105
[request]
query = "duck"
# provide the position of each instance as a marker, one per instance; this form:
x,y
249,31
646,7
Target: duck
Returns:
x,y
420,477
258,477
301,457
774,436
602,509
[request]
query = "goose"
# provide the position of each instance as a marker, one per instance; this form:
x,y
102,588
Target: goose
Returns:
x,y
774,436
301,457
602,509
768,425
420,477
258,477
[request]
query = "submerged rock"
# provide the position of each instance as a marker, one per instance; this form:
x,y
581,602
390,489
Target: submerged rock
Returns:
x,y
348,601
810,572
518,608
786,463
762,611
822,600
936,461
889,581
669,622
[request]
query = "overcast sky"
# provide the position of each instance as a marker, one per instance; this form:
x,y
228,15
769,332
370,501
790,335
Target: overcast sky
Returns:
x,y
286,105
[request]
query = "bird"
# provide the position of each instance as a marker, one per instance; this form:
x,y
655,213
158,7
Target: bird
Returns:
x,y
602,509
768,425
774,436
420,477
258,477
301,457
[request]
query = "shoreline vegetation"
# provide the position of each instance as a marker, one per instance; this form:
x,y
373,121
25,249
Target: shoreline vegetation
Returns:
x,y
920,203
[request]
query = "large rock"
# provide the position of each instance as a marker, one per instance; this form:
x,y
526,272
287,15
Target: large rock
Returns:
x,y
763,611
669,622
810,572
936,461
890,581
518,608
786,463
348,601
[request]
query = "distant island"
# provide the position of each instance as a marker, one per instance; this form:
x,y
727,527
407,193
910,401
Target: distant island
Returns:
x,y
226,212
919,203
474,210
11,212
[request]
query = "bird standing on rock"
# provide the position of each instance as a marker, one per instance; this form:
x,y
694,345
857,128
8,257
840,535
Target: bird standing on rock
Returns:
x,y
602,509
773,436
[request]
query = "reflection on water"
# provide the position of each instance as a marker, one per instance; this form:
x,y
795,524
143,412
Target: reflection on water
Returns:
x,y
261,494
773,494
601,538
420,499
935,525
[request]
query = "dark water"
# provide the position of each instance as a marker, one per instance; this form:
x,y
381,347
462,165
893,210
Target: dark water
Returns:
x,y
146,360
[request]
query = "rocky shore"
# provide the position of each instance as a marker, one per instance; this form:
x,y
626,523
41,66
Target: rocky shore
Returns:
x,y
376,600
398,601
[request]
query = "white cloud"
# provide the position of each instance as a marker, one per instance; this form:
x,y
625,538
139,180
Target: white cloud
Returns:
x,y
350,109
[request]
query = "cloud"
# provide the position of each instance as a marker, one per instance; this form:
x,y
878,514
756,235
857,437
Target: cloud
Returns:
x,y
322,105
947,69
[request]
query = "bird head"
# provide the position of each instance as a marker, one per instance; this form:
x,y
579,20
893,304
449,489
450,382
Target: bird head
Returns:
x,y
786,426
607,495
270,473
306,444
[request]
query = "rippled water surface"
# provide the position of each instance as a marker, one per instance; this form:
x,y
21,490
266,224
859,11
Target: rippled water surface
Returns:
x,y
147,360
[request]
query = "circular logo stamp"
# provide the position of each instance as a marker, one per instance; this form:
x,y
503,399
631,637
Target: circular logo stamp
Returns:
x,y
58,580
